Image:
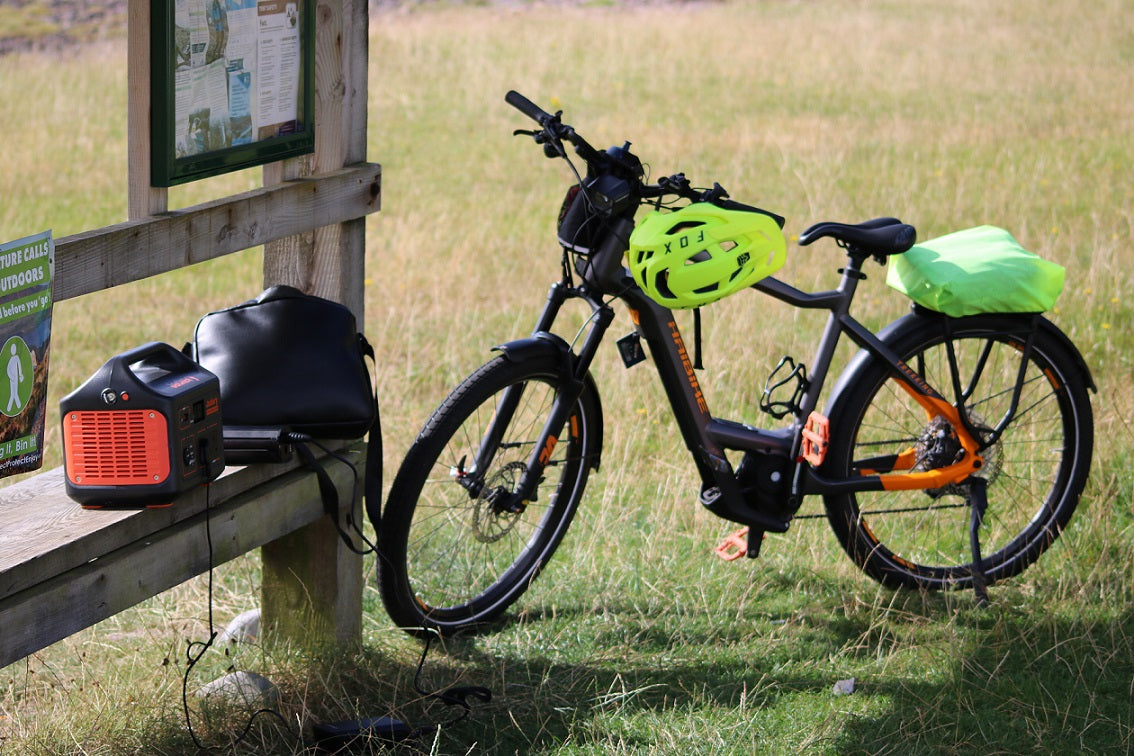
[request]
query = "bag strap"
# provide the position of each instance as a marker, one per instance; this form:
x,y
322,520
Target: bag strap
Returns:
x,y
372,477
372,492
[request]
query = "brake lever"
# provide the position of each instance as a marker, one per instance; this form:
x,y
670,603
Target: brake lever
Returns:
x,y
716,193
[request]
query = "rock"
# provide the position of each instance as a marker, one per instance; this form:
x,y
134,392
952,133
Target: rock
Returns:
x,y
244,628
247,688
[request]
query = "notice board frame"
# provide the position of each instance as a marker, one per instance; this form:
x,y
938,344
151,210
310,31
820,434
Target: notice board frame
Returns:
x,y
183,148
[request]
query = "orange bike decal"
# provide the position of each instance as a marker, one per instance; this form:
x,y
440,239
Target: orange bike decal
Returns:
x,y
548,448
688,365
904,460
943,476
934,406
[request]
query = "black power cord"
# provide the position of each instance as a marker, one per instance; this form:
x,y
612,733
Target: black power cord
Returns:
x,y
201,647
332,736
329,491
337,735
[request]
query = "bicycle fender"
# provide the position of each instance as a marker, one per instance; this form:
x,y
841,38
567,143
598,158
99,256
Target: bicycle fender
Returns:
x,y
1057,332
544,344
917,320
539,344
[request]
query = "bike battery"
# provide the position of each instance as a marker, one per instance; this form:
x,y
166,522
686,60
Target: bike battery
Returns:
x,y
143,429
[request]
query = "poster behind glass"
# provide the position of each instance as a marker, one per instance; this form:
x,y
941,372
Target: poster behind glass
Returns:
x,y
231,85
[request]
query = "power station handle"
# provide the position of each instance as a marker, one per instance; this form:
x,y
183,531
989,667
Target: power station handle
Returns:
x,y
156,353
170,357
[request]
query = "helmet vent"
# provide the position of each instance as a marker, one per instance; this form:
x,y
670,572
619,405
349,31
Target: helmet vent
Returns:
x,y
684,226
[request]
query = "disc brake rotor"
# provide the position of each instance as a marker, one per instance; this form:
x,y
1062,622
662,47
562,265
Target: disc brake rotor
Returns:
x,y
938,446
492,519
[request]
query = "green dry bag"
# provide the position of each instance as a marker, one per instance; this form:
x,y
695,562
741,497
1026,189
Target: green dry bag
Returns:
x,y
982,269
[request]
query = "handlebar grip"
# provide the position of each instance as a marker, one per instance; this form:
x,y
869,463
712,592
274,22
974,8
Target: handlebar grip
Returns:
x,y
526,106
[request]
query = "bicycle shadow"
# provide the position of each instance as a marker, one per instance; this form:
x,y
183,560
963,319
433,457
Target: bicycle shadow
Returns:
x,y
585,675
1017,683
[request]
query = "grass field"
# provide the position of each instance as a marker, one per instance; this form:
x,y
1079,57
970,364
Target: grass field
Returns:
x,y
946,113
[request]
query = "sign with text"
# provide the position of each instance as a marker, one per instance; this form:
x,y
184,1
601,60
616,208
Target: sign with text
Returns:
x,y
231,85
27,267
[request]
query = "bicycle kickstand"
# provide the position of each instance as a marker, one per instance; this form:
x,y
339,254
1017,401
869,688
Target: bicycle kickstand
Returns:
x,y
978,504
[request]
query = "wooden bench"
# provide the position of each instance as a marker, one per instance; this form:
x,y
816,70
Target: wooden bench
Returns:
x,y
64,568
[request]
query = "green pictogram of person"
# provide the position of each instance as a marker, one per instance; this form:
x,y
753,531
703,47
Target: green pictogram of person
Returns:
x,y
20,369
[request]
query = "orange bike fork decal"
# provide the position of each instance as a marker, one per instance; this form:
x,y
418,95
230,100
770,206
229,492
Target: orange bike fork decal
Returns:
x,y
549,447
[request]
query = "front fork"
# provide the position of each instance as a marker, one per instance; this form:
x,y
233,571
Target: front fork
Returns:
x,y
571,371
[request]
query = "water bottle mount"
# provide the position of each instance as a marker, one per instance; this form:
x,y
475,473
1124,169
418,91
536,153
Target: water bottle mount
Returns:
x,y
788,375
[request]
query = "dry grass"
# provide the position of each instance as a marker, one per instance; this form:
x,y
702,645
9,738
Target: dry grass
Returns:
x,y
947,114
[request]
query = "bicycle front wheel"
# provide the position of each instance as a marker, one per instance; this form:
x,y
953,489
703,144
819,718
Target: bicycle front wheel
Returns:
x,y
1035,472
453,557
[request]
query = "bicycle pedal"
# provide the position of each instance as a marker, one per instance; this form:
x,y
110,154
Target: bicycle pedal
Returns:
x,y
734,546
816,437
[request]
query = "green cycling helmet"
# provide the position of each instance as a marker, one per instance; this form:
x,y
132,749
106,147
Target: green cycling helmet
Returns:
x,y
701,253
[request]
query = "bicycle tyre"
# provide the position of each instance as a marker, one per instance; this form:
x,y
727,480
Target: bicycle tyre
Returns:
x,y
1035,472
450,563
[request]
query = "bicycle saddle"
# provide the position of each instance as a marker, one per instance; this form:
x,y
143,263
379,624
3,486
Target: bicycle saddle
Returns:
x,y
881,236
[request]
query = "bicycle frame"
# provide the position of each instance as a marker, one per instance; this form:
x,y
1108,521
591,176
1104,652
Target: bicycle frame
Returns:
x,y
708,437
899,469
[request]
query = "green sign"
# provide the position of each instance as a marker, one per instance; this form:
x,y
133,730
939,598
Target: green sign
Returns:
x,y
27,267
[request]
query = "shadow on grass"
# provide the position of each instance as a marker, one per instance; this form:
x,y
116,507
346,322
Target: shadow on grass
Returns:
x,y
1023,684
1013,682
618,676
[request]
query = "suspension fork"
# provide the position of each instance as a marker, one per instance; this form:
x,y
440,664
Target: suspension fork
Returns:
x,y
510,398
572,370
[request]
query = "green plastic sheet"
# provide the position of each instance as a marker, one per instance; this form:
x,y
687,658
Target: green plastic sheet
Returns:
x,y
977,270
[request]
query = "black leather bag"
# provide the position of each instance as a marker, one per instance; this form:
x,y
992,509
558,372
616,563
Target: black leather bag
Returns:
x,y
290,360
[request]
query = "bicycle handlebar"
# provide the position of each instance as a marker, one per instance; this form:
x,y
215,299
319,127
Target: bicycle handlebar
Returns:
x,y
527,107
619,160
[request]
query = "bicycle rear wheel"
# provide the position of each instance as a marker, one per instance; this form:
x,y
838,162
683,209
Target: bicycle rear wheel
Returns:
x,y
1035,472
453,557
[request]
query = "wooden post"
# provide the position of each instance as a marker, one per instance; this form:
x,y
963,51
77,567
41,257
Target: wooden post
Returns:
x,y
143,199
312,583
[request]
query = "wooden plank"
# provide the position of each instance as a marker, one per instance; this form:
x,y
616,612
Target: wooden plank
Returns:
x,y
356,78
96,260
44,533
99,588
